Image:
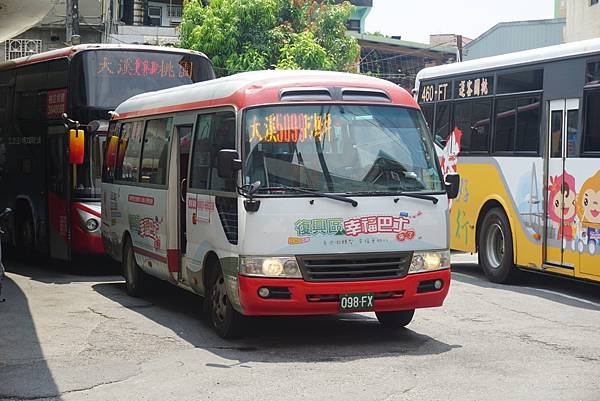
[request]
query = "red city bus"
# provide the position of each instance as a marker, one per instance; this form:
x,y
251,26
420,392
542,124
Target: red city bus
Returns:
x,y
56,203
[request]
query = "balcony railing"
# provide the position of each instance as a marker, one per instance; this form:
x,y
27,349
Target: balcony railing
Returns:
x,y
15,48
175,11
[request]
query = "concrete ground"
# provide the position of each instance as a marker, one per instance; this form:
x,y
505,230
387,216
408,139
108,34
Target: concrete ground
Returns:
x,y
76,335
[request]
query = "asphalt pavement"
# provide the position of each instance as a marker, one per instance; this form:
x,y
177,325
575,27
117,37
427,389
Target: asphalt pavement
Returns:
x,y
73,334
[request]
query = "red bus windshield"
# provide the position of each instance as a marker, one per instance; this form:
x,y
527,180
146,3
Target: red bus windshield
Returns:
x,y
112,76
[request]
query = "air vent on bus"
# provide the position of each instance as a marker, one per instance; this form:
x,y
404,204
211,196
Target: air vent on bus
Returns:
x,y
305,94
228,214
370,95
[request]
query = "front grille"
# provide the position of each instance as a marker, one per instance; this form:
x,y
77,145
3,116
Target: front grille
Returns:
x,y
355,267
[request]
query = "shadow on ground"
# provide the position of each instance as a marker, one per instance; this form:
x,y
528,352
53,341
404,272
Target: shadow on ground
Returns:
x,y
276,339
566,291
24,373
90,269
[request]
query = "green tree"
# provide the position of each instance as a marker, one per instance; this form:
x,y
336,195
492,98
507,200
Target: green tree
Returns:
x,y
243,35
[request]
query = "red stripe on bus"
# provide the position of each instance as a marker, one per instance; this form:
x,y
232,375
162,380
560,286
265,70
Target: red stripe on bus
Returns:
x,y
226,101
87,209
150,254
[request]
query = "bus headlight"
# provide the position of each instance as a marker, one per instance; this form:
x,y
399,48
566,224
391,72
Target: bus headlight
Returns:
x,y
280,267
425,261
91,225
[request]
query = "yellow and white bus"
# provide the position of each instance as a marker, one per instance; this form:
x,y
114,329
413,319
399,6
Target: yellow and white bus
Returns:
x,y
523,131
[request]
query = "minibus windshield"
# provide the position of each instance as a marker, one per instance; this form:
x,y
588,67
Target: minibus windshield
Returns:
x,y
350,149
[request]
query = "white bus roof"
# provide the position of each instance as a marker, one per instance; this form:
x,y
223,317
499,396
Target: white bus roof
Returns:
x,y
250,88
566,50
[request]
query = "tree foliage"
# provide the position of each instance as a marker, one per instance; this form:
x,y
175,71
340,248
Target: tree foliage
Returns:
x,y
243,35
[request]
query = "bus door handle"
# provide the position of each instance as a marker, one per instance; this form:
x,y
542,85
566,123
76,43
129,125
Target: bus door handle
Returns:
x,y
181,189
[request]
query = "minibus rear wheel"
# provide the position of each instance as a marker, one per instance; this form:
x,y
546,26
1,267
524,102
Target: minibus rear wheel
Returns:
x,y
226,321
136,281
395,320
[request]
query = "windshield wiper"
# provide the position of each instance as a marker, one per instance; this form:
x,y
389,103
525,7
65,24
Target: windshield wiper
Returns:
x,y
313,192
430,198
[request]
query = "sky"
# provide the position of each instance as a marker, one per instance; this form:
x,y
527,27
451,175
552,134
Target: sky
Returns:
x,y
415,19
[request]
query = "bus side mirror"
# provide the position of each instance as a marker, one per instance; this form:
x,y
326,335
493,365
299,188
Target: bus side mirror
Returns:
x,y
452,185
76,146
228,163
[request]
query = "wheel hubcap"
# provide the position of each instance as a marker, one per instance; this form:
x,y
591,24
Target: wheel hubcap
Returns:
x,y
219,299
494,245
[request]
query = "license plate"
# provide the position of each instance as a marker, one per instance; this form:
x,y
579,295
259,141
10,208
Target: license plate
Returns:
x,y
356,301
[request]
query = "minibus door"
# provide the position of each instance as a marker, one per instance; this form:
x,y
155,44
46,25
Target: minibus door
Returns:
x,y
184,133
560,238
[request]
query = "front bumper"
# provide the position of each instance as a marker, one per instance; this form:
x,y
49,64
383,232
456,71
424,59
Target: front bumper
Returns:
x,y
310,298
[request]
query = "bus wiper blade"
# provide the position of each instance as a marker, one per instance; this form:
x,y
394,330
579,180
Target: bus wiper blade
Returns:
x,y
313,192
430,198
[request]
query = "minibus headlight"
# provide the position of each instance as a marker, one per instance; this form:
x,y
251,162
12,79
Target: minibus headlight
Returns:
x,y
425,261
281,267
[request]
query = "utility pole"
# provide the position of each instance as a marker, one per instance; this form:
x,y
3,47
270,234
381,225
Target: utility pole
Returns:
x,y
73,22
459,47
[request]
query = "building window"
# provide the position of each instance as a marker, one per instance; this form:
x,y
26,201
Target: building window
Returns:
x,y
593,2
353,25
16,48
154,16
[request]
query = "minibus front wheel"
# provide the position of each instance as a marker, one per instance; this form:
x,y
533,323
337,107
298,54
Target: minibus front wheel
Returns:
x,y
226,321
395,320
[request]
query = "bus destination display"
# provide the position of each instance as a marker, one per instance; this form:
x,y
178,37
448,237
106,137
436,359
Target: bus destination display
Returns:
x,y
291,127
435,92
144,67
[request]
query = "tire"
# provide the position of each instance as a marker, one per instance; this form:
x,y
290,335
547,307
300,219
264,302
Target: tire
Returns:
x,y
226,321
395,320
495,244
25,232
136,281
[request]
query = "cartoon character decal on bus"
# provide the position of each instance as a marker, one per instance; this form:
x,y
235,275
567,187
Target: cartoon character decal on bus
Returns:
x,y
561,205
449,157
588,211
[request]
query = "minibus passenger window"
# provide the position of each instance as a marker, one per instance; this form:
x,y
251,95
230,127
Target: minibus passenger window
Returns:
x,y
129,151
223,137
213,132
156,152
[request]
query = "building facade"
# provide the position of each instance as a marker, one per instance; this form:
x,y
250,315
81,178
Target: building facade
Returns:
x,y
508,37
50,32
152,22
399,60
583,20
